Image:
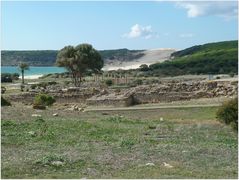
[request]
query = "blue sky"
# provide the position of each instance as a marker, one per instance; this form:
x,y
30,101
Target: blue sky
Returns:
x,y
112,25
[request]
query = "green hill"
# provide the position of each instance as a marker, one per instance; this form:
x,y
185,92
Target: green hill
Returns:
x,y
214,58
33,58
48,57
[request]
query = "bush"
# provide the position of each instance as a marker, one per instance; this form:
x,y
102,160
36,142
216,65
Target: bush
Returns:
x,y
231,74
138,82
144,67
33,86
4,102
3,89
8,77
109,82
228,113
43,100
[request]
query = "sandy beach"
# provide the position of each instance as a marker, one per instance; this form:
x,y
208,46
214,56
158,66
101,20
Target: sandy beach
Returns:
x,y
32,76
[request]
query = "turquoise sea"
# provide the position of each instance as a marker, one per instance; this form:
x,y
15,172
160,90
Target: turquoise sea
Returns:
x,y
33,70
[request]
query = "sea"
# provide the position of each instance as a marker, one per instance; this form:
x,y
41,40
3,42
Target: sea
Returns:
x,y
34,72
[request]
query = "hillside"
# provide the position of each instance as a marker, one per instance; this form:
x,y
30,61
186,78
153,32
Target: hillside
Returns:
x,y
114,59
214,58
48,57
33,58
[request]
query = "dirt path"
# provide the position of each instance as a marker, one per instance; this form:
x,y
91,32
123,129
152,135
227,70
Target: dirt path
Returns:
x,y
146,107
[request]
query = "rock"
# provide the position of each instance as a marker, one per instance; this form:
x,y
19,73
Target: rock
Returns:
x,y
74,108
55,114
32,133
167,165
57,163
150,164
36,115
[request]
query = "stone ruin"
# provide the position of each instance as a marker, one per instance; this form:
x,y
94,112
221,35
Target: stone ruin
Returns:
x,y
155,93
167,92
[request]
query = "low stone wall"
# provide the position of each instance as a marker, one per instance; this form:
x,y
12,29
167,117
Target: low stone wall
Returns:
x,y
110,100
23,97
166,92
61,97
142,98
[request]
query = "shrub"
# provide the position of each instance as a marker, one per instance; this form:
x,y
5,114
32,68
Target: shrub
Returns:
x,y
5,77
3,89
33,86
138,82
4,102
231,74
51,160
44,100
228,113
144,67
8,77
109,82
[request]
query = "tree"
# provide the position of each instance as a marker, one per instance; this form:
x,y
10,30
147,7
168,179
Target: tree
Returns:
x,y
79,60
144,67
23,67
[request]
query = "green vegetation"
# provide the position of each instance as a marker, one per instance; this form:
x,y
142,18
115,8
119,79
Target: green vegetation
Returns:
x,y
8,77
109,82
4,102
79,60
212,58
44,100
23,67
92,145
33,58
228,113
48,57
122,54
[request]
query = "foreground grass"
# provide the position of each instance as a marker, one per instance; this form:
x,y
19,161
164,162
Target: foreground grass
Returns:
x,y
119,145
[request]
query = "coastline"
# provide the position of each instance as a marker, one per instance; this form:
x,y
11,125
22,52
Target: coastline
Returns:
x,y
31,76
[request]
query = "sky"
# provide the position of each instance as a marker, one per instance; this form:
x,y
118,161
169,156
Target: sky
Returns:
x,y
47,25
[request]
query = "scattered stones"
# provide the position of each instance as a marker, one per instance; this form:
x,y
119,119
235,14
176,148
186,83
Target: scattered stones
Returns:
x,y
36,115
167,165
55,114
57,163
150,164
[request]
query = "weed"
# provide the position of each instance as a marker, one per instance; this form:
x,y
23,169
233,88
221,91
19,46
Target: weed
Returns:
x,y
51,160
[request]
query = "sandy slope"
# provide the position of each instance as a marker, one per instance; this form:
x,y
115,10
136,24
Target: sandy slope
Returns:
x,y
150,57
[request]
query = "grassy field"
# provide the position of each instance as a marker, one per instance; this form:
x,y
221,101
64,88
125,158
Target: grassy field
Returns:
x,y
117,144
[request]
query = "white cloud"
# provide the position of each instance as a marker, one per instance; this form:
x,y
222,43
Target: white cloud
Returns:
x,y
186,35
137,31
225,9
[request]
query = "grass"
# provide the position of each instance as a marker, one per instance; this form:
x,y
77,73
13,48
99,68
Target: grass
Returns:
x,y
117,144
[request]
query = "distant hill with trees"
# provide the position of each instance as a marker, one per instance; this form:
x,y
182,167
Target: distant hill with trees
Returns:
x,y
213,58
48,57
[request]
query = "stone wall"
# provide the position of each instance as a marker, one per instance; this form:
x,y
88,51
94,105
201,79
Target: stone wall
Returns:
x,y
110,100
165,92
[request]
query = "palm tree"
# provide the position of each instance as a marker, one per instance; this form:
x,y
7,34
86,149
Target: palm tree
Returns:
x,y
23,67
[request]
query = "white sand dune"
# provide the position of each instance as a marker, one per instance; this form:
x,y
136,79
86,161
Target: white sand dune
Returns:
x,y
32,76
149,57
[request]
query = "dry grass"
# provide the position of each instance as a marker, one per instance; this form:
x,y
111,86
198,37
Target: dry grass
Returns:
x,y
116,144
